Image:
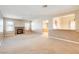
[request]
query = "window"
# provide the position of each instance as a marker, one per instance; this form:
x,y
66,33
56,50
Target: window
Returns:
x,y
1,25
72,25
9,25
56,23
64,22
27,25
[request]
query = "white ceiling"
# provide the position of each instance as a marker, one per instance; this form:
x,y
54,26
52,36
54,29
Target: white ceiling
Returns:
x,y
35,11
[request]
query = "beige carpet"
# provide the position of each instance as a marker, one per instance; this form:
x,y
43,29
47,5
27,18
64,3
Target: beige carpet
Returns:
x,y
38,43
65,34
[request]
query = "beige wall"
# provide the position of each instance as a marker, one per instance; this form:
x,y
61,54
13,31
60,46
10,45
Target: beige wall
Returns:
x,y
64,22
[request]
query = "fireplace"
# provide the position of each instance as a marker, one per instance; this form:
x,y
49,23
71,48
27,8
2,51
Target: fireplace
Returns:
x,y
19,30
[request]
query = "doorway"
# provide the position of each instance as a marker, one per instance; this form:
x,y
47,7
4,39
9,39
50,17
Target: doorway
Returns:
x,y
45,28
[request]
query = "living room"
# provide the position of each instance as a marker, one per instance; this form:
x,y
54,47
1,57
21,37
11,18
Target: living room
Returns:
x,y
39,29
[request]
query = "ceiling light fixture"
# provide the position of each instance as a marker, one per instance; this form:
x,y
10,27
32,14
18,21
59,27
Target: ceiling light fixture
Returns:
x,y
44,5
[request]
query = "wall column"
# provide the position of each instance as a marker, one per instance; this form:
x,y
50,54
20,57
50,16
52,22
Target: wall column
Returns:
x,y
50,27
50,24
30,26
77,21
4,27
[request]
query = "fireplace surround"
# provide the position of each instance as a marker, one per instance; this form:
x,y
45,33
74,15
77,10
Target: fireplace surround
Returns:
x,y
19,30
